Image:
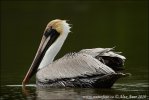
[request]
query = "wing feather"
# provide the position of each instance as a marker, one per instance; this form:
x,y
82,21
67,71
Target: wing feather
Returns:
x,y
103,52
73,65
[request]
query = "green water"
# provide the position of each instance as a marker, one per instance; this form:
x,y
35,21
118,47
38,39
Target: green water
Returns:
x,y
106,23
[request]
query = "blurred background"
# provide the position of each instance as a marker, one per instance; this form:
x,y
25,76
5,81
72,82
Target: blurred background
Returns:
x,y
97,23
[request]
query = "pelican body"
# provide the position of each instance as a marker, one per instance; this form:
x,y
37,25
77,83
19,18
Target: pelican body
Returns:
x,y
95,68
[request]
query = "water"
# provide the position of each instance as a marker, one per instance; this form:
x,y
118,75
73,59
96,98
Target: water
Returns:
x,y
98,23
118,91
132,87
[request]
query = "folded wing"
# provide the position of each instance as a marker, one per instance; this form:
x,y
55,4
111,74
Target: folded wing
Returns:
x,y
107,56
73,65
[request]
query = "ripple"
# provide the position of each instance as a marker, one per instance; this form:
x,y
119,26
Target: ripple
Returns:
x,y
17,85
132,86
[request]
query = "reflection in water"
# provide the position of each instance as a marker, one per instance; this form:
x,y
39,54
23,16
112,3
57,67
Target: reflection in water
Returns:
x,y
119,91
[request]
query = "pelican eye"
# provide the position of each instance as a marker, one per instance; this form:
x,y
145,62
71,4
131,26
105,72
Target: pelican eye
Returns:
x,y
50,32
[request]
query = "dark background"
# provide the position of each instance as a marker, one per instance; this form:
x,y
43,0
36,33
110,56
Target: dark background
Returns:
x,y
120,23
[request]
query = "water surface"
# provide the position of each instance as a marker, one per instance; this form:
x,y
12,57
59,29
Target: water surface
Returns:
x,y
96,23
118,91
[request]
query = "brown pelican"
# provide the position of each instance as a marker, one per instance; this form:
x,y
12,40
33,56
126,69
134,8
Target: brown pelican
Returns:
x,y
97,67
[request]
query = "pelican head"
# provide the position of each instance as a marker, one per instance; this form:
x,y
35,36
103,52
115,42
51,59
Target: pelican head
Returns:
x,y
54,35
58,25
